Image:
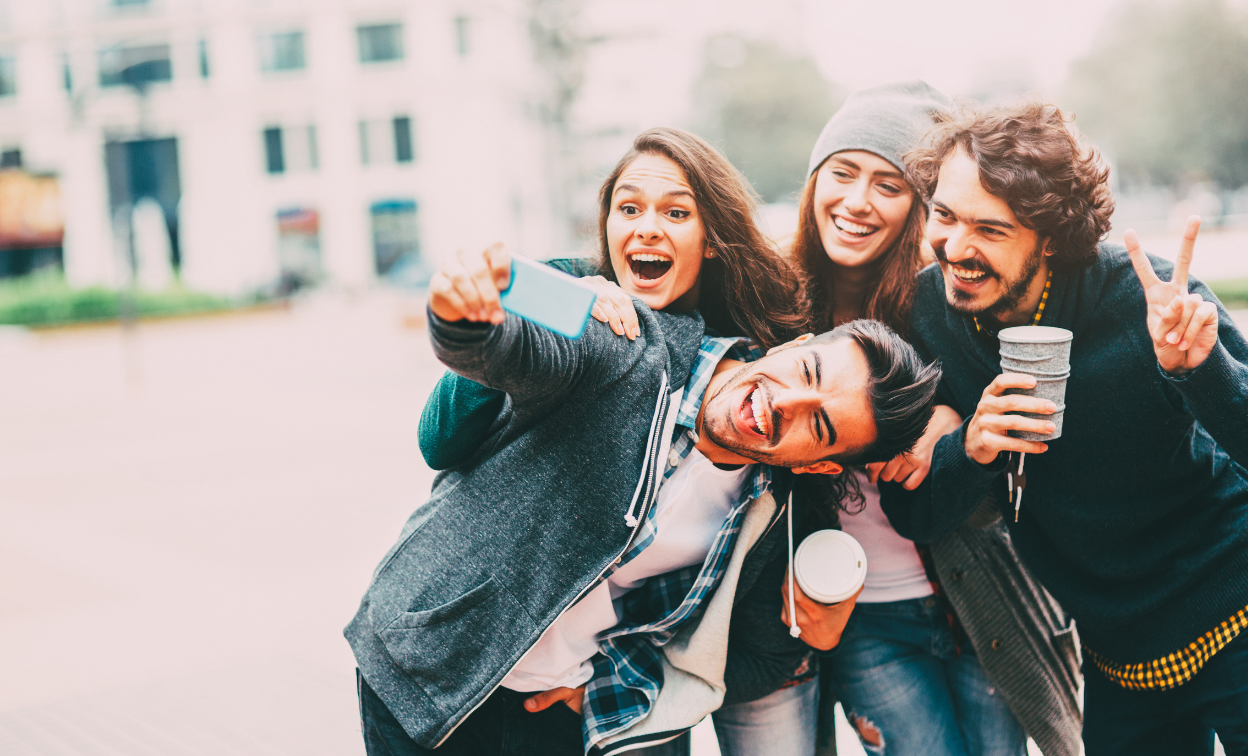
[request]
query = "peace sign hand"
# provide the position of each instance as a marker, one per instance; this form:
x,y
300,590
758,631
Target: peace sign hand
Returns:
x,y
1183,326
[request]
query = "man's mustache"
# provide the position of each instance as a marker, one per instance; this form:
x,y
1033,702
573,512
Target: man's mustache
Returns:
x,y
973,264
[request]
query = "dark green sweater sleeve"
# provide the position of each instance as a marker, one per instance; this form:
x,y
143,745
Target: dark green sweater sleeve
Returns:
x,y
456,419
458,414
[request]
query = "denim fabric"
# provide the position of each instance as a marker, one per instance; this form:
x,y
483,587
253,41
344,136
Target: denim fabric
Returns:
x,y
779,724
907,690
1180,720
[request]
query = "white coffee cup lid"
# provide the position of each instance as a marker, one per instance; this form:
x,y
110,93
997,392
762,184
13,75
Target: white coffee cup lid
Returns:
x,y
1035,334
830,566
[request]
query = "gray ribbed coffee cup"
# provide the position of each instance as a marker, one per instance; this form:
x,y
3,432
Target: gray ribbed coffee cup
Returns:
x,y
1043,352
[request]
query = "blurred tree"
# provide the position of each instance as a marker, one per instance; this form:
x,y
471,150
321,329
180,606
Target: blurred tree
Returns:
x,y
1166,91
764,107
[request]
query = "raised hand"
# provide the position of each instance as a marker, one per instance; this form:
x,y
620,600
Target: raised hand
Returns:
x,y
1182,325
987,433
467,288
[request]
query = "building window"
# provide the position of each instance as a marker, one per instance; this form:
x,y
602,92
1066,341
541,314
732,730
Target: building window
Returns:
x,y
136,66
67,73
403,140
462,24
11,158
298,248
290,149
380,42
8,77
274,158
282,51
203,59
396,241
385,142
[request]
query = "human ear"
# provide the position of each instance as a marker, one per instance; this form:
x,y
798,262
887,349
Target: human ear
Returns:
x,y
790,344
1048,247
822,467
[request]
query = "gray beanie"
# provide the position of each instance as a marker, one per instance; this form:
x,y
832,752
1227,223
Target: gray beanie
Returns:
x,y
887,121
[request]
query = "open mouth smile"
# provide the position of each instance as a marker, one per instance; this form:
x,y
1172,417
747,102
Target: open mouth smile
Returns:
x,y
846,226
967,275
754,415
649,266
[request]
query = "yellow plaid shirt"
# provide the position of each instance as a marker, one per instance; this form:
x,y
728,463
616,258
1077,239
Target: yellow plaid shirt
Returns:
x,y
1172,670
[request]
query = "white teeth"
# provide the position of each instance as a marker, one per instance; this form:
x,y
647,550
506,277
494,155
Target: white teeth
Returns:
x,y
851,227
647,257
969,275
756,403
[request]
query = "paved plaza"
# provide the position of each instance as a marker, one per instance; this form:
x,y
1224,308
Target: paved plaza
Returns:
x,y
189,514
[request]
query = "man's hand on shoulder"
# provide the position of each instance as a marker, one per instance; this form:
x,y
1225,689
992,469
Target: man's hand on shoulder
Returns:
x,y
467,288
1182,325
911,468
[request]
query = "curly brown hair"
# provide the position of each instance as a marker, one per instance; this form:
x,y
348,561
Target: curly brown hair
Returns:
x,y
1029,156
747,288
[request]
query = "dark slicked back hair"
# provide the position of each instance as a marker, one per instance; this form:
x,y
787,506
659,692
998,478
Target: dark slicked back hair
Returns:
x,y
747,288
902,390
1029,156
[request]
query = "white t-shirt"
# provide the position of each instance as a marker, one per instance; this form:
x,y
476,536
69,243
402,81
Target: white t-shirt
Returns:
x,y
894,570
690,510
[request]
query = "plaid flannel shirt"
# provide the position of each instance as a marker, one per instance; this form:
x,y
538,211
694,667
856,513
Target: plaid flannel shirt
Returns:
x,y
627,671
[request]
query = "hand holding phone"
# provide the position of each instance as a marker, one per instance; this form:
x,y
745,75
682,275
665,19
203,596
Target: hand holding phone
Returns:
x,y
468,287
478,287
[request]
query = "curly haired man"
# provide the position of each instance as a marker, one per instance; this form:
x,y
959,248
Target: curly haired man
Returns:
x,y
1136,518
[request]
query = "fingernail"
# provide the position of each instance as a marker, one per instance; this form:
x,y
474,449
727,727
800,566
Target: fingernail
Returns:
x,y
1050,428
530,705
1051,407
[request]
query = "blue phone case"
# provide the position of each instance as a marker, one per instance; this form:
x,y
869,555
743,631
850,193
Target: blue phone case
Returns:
x,y
549,297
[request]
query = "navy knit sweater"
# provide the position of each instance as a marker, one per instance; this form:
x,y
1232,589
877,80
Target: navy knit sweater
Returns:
x,y
1136,519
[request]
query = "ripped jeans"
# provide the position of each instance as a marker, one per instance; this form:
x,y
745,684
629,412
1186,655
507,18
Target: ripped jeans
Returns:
x,y
907,692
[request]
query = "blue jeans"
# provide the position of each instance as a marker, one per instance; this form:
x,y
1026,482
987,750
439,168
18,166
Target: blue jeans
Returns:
x,y
1180,720
907,691
500,726
779,724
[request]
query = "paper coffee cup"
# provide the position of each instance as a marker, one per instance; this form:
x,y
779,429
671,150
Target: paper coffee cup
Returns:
x,y
1042,352
830,566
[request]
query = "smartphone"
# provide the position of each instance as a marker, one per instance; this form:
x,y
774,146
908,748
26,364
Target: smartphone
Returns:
x,y
549,297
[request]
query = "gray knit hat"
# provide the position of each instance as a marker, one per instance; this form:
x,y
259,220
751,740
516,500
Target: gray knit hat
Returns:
x,y
886,121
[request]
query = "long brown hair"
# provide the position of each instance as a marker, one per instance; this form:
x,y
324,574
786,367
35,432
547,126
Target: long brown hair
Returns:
x,y
890,295
747,288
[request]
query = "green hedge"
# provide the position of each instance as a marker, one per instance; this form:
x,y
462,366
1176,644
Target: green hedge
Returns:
x,y
47,300
1233,292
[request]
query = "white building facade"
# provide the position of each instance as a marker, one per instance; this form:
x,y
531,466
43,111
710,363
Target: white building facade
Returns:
x,y
319,139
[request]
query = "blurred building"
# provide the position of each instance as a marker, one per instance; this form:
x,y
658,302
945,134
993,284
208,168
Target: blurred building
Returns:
x,y
281,140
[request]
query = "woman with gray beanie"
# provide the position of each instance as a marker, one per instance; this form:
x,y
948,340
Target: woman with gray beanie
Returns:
x,y
920,668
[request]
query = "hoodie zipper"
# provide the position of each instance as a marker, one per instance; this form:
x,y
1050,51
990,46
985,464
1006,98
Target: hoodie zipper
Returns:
x,y
646,484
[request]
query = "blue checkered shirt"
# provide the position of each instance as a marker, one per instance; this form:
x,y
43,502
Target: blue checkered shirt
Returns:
x,y
627,672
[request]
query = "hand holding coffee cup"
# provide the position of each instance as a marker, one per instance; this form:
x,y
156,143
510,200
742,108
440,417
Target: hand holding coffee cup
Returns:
x,y
829,570
997,417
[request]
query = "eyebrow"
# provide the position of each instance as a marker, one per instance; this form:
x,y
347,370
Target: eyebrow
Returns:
x,y
822,411
978,221
669,193
855,166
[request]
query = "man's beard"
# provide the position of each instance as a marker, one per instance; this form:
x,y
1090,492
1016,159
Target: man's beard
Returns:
x,y
718,426
1015,290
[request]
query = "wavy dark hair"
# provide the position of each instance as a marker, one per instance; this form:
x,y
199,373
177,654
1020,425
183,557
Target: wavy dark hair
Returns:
x,y
1029,156
890,298
747,288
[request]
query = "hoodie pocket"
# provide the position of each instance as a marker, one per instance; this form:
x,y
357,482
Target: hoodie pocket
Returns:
x,y
457,647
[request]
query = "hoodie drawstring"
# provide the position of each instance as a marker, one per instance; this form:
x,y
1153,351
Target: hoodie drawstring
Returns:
x,y
794,630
